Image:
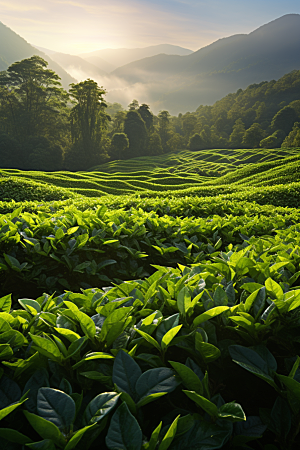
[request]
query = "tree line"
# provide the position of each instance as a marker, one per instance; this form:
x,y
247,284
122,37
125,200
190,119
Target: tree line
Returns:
x,y
44,127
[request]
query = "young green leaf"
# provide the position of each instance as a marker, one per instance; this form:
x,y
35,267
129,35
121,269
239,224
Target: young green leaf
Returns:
x,y
189,378
209,315
5,303
168,337
46,429
77,437
68,334
169,436
166,325
184,302
5,411
273,288
75,347
6,352
295,367
46,347
29,305
115,324
153,439
207,351
150,339
203,402
150,398
91,356
86,323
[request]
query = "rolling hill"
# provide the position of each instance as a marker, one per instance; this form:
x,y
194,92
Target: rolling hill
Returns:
x,y
182,83
77,67
171,77
121,56
205,173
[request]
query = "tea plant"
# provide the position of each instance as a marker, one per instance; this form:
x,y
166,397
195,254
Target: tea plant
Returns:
x,y
93,366
164,319
71,249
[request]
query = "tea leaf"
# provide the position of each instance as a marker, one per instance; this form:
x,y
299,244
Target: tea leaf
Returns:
x,y
124,432
56,407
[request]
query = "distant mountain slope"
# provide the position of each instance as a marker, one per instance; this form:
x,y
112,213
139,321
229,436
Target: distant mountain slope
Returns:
x,y
45,50
77,67
99,62
182,83
121,56
14,48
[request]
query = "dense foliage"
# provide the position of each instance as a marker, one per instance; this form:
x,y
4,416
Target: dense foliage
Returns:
x,y
89,368
43,127
156,320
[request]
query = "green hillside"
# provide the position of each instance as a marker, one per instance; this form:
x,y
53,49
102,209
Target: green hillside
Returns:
x,y
204,173
182,83
151,291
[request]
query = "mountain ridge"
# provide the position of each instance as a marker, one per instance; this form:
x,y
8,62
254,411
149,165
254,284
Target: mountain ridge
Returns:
x,y
178,83
77,67
182,83
121,56
15,48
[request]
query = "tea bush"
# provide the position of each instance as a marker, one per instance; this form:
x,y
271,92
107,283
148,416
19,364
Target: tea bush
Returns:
x,y
167,318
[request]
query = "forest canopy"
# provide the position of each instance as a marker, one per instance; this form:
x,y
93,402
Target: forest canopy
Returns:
x,y
44,127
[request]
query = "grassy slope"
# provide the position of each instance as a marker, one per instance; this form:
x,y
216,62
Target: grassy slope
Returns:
x,y
203,173
183,183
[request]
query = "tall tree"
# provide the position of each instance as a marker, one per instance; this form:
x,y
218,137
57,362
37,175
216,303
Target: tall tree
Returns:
x,y
117,124
154,145
273,141
119,145
196,142
146,115
293,139
284,119
253,135
136,131
176,142
164,128
236,137
189,122
32,101
133,106
88,120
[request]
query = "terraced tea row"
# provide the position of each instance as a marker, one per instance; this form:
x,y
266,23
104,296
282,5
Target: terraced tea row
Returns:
x,y
217,160
184,177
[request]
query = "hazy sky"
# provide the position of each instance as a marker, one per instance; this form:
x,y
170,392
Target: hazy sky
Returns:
x,y
75,26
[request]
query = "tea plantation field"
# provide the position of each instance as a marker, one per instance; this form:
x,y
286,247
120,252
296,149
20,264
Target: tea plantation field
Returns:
x,y
152,304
